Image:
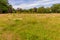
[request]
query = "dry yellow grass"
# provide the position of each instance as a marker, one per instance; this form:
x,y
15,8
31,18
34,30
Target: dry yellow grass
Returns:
x,y
30,26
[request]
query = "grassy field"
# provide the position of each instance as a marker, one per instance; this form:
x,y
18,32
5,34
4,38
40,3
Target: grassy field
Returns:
x,y
29,26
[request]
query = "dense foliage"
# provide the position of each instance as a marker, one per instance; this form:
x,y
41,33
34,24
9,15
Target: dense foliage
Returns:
x,y
6,8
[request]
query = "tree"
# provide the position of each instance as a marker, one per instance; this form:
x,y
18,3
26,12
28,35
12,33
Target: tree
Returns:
x,y
10,9
34,9
48,10
19,10
56,8
30,10
5,7
41,10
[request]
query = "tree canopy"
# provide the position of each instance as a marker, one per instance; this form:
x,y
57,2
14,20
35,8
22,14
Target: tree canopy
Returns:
x,y
4,6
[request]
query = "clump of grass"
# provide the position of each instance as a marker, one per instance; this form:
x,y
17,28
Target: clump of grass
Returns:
x,y
45,38
34,37
29,36
12,26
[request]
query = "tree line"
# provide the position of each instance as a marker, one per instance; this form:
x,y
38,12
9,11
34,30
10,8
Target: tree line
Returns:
x,y
55,8
6,8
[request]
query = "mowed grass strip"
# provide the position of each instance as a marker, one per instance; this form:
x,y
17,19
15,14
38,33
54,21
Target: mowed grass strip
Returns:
x,y
29,26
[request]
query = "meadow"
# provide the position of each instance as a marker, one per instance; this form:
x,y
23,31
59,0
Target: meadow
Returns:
x,y
30,26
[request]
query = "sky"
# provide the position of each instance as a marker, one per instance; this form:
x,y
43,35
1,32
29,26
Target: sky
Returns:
x,y
27,4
